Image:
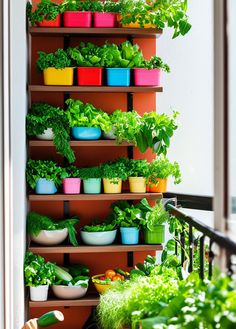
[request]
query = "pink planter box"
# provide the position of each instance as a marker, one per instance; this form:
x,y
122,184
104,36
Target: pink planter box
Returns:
x,y
77,18
145,77
71,185
104,19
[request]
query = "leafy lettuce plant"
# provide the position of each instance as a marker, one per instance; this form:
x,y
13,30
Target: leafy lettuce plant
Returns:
x,y
87,55
153,216
138,168
106,6
75,5
97,226
162,168
72,172
115,170
46,9
59,60
43,116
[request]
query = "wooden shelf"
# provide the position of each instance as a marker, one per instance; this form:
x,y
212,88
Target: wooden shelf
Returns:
x,y
114,32
95,89
94,197
107,143
85,301
94,249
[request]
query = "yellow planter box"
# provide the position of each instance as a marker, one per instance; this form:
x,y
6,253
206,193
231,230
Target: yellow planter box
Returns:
x,y
58,77
137,184
110,187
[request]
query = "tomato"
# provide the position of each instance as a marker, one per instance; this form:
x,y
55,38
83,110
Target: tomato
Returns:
x,y
110,274
116,278
102,278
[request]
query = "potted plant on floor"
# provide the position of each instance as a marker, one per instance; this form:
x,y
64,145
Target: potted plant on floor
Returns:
x,y
87,122
105,13
99,234
50,123
56,68
128,219
149,73
46,14
159,171
92,179
76,13
46,231
113,173
71,184
88,58
44,176
38,276
138,173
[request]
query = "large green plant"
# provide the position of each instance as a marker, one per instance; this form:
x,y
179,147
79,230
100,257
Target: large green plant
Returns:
x,y
46,9
106,6
162,168
80,114
59,60
153,216
126,215
43,169
87,55
43,116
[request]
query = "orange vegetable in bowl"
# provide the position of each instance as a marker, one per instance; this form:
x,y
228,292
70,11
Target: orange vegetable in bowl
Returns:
x,y
116,278
110,274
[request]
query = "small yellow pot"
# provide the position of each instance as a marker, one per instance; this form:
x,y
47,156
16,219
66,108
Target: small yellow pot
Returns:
x,y
110,187
137,184
58,77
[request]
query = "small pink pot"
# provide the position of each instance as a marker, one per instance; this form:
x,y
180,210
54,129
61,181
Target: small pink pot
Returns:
x,y
145,77
104,19
77,18
71,185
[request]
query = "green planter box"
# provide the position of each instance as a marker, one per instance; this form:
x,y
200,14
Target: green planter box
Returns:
x,y
156,235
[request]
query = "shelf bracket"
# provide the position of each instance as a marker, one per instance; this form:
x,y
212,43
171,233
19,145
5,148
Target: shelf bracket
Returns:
x,y
130,102
66,43
130,259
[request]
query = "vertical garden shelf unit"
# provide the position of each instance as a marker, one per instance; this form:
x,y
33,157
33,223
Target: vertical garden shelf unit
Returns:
x,y
86,206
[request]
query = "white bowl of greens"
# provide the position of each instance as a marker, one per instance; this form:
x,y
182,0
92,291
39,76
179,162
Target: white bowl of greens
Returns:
x,y
50,238
98,234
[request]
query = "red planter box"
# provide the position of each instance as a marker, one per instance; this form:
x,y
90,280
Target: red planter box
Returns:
x,y
89,76
53,23
77,18
104,19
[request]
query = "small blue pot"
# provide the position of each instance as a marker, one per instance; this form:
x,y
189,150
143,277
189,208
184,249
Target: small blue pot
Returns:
x,y
118,77
92,185
129,235
86,133
45,186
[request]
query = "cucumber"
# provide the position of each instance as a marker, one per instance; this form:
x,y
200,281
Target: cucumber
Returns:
x,y
62,274
120,271
50,318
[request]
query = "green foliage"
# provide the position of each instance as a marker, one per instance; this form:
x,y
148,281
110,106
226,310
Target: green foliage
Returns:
x,y
37,223
138,168
72,172
126,215
46,9
106,6
115,170
78,281
43,169
76,5
37,272
91,172
145,268
80,114
153,216
59,60
162,168
156,63
160,13
87,55
97,226
43,116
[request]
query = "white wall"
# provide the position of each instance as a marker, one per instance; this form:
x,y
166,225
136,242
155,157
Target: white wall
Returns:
x,y
189,89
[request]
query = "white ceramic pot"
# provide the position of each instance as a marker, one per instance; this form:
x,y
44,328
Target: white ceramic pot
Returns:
x,y
47,135
39,294
50,238
98,238
69,292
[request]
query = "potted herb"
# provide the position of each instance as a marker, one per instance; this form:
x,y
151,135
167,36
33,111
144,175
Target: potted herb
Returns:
x,y
99,234
77,13
87,122
46,231
50,123
46,14
159,171
149,73
56,68
89,59
71,184
119,60
113,173
92,179
44,176
38,276
128,219
138,173
105,13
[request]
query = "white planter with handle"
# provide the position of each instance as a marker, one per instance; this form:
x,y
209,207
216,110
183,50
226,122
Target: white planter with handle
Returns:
x,y
39,294
47,135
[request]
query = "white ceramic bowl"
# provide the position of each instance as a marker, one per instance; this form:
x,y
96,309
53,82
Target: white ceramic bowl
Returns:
x,y
69,292
50,238
46,135
98,238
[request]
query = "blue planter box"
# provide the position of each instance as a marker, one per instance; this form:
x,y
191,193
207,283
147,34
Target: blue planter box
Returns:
x,y
92,185
129,235
118,77
44,186
86,133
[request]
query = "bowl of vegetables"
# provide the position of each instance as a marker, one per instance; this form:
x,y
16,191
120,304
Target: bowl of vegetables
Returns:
x,y
98,234
103,282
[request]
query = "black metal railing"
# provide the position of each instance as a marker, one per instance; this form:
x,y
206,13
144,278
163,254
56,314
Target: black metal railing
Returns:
x,y
207,237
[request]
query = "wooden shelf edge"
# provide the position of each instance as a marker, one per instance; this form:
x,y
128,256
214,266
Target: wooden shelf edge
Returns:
x,y
94,249
96,143
85,301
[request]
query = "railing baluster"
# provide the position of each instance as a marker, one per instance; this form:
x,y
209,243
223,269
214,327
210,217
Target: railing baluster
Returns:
x,y
182,240
190,233
202,257
176,243
210,260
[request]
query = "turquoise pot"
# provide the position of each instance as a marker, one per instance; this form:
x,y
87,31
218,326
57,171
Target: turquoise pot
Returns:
x,y
86,133
92,185
129,235
44,186
118,77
